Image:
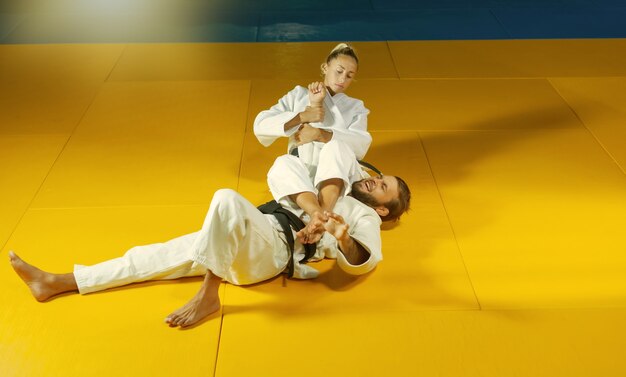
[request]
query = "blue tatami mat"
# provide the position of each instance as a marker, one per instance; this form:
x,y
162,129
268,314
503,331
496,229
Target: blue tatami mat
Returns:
x,y
116,21
563,23
8,22
380,25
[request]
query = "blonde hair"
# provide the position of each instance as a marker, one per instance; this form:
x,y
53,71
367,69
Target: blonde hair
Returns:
x,y
341,49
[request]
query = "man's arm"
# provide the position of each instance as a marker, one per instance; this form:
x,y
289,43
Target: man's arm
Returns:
x,y
329,191
354,252
318,207
314,230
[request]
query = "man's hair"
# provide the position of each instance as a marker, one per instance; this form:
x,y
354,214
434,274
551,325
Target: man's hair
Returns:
x,y
399,205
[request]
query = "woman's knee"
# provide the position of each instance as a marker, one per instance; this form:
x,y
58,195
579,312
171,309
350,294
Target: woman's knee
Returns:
x,y
336,148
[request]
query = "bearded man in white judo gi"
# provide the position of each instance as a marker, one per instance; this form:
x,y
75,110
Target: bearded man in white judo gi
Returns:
x,y
241,245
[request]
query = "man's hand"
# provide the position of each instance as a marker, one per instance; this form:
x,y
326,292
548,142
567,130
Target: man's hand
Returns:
x,y
354,252
317,92
314,230
337,227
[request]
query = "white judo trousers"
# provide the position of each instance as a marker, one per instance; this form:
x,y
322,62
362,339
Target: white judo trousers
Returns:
x,y
237,242
291,175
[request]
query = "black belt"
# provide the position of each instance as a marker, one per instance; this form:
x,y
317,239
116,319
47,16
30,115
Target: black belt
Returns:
x,y
287,220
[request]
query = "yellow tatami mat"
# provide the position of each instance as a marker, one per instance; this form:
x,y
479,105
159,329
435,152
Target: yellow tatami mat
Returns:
x,y
534,343
48,88
25,161
237,61
57,62
36,107
510,262
509,58
74,334
537,215
599,102
498,104
152,143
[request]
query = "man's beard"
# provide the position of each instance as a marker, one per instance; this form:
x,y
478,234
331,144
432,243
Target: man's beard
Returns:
x,y
363,196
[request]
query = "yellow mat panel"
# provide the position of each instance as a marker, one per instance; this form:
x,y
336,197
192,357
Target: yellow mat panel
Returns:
x,y
548,343
510,58
256,161
601,105
266,93
44,107
485,104
422,267
152,143
235,61
107,330
57,62
538,215
25,161
48,88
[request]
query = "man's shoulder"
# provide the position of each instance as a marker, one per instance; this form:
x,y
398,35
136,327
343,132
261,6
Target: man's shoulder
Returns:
x,y
348,206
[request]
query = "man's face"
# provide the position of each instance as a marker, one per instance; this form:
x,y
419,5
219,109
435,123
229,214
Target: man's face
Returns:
x,y
376,191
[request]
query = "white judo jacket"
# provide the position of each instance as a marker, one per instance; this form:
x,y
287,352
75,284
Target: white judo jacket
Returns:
x,y
364,228
289,175
345,116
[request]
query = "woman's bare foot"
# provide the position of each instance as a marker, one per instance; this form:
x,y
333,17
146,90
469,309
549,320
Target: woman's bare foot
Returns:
x,y
204,303
43,285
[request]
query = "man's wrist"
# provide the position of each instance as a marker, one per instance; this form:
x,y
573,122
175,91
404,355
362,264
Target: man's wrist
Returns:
x,y
345,242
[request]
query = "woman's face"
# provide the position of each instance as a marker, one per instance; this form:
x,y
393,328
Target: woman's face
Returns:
x,y
339,73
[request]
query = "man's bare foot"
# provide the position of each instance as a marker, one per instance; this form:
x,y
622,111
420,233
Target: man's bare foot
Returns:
x,y
204,303
43,285
194,311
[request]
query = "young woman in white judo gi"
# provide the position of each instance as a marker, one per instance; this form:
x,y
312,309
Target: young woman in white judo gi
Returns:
x,y
239,244
312,116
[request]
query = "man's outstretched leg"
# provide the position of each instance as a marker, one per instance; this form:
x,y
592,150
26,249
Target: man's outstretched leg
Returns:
x,y
43,285
163,261
204,303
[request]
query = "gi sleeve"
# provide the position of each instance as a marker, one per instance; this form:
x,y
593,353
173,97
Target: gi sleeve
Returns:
x,y
355,134
269,125
366,232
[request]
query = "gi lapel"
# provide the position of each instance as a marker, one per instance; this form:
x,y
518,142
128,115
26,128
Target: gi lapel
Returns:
x,y
336,118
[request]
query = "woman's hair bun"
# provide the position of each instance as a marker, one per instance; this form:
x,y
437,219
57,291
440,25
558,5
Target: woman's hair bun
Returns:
x,y
342,49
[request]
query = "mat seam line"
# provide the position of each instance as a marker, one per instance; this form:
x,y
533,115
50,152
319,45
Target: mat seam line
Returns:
x,y
393,61
445,209
43,181
506,31
219,335
116,63
585,126
245,132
